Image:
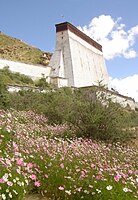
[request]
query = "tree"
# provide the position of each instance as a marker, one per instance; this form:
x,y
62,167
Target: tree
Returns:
x,y
4,97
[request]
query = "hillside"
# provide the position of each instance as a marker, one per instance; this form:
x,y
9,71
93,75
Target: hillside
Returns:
x,y
36,162
17,50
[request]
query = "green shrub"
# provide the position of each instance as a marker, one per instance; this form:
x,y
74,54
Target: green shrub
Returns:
x,y
9,77
85,115
91,119
42,83
25,100
58,105
4,96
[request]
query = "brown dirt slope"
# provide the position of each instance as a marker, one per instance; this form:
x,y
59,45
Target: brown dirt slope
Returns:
x,y
17,50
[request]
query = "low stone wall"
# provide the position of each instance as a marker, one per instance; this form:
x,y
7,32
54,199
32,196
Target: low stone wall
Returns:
x,y
124,101
98,92
17,88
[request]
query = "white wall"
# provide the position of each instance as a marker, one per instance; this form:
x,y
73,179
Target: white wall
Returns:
x,y
80,63
88,63
124,101
33,71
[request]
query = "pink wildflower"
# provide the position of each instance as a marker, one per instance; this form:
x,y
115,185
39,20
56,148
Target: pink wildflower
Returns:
x,y
62,158
62,165
8,162
82,174
98,177
61,188
2,180
29,165
130,171
18,171
100,173
92,165
117,177
9,183
46,175
19,161
33,176
90,186
37,183
79,189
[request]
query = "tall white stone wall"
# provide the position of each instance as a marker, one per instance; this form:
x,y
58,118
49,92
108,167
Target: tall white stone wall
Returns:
x,y
87,63
81,63
33,71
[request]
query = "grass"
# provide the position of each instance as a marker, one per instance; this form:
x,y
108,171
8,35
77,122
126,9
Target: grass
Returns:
x,y
35,159
8,77
17,50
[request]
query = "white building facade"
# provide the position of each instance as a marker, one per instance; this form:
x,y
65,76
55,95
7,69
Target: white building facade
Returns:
x,y
78,60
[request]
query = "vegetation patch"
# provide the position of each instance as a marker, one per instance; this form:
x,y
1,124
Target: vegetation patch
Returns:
x,y
34,161
8,77
65,144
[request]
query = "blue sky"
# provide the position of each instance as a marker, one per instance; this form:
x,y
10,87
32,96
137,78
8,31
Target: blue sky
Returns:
x,y
114,23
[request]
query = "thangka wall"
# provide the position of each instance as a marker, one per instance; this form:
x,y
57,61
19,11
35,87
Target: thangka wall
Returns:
x,y
77,58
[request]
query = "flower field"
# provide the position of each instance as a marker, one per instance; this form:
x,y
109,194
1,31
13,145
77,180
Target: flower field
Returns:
x,y
35,158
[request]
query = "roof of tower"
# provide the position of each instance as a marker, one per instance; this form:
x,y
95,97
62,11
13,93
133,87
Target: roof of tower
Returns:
x,y
68,26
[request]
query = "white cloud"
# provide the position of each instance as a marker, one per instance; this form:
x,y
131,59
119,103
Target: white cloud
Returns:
x,y
127,86
115,40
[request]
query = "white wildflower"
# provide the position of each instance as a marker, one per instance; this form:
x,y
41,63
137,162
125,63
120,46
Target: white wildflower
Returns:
x,y
19,183
3,196
22,183
27,182
68,192
10,175
9,115
109,187
125,189
10,195
93,193
17,178
86,192
99,191
15,192
5,177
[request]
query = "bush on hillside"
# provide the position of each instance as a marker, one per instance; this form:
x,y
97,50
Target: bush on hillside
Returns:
x,y
4,96
9,77
42,83
25,100
92,119
84,114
